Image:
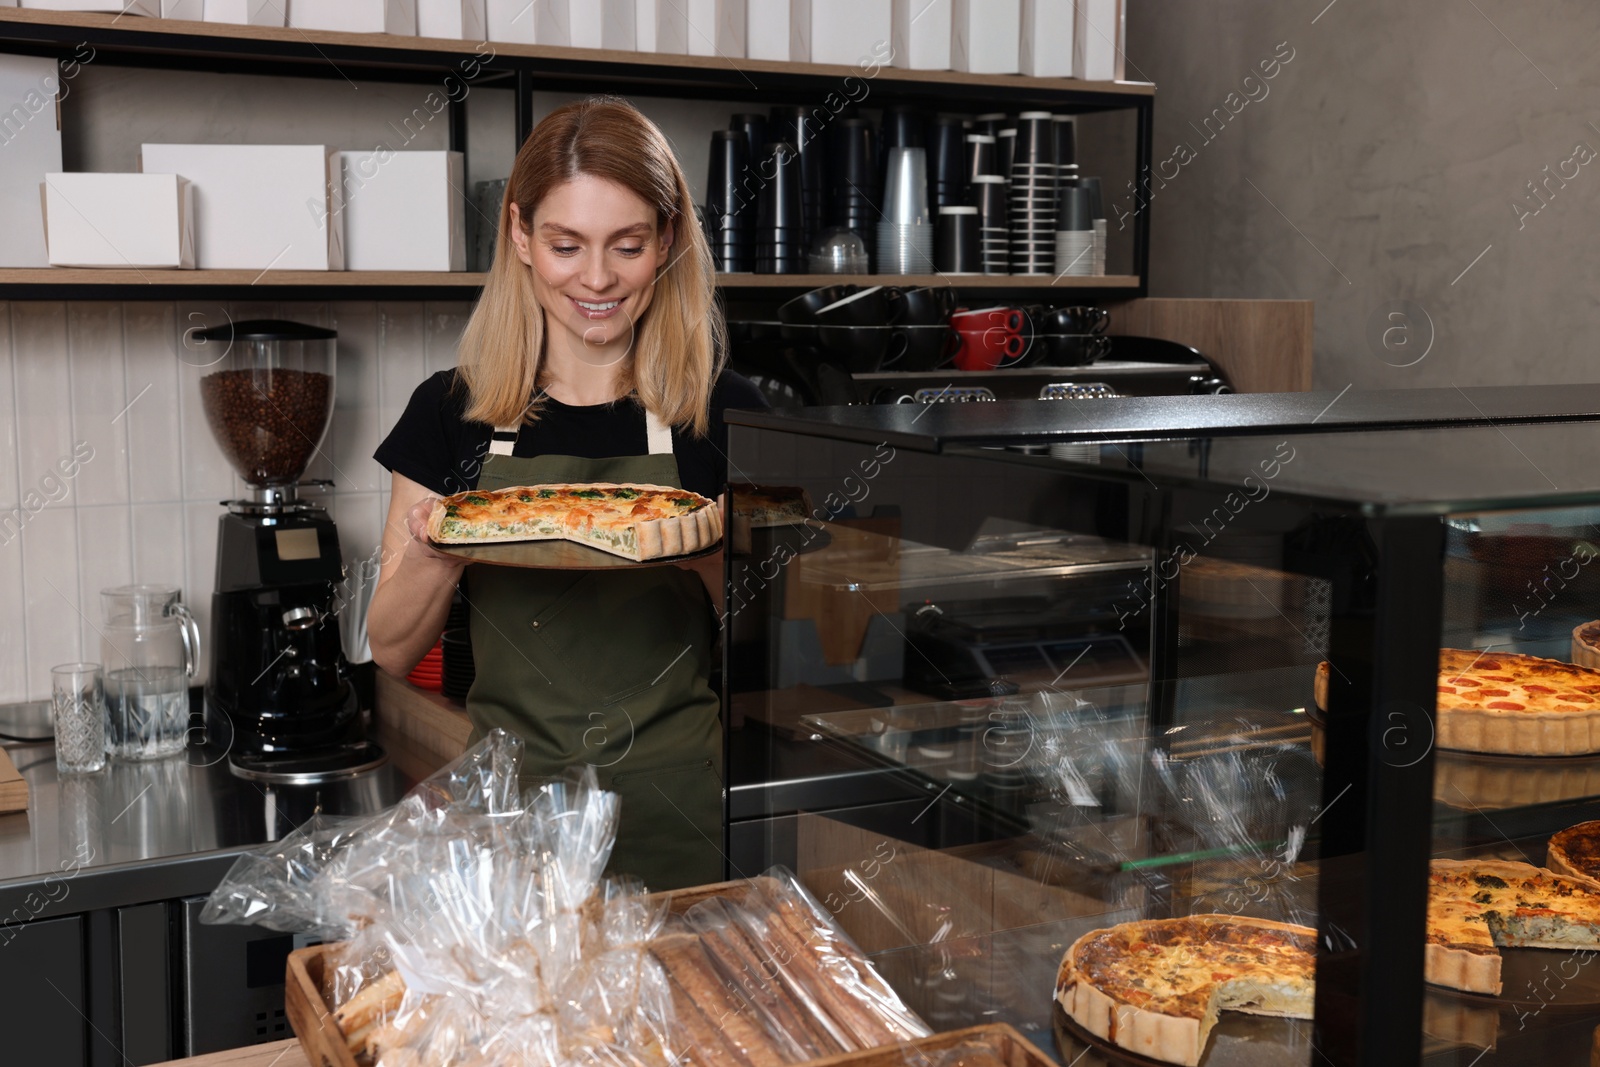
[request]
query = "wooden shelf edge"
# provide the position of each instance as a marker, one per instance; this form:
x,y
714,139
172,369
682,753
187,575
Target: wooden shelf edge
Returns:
x,y
244,278
135,26
18,280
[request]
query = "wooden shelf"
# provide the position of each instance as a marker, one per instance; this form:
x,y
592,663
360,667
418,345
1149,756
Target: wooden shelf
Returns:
x,y
70,283
74,283
270,279
425,55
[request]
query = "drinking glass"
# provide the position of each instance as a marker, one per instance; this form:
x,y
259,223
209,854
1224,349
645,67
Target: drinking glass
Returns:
x,y
77,706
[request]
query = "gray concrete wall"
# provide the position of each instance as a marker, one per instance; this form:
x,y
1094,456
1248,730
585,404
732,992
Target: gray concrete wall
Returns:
x,y
1379,174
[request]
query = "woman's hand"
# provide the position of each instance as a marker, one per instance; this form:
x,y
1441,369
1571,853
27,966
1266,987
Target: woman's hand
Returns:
x,y
421,546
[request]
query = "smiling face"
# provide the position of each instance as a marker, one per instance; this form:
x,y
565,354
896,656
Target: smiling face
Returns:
x,y
595,248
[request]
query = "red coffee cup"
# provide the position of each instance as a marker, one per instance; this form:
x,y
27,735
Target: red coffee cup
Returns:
x,y
1006,319
988,338
987,348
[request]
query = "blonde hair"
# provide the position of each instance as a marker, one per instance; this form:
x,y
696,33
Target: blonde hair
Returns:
x,y
678,342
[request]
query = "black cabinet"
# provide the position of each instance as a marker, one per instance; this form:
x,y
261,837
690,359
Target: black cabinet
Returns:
x,y
44,1004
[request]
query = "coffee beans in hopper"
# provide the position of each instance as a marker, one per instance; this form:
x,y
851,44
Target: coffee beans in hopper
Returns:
x,y
267,422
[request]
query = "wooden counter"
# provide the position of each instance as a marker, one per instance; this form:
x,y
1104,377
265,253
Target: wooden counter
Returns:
x,y
276,1054
436,728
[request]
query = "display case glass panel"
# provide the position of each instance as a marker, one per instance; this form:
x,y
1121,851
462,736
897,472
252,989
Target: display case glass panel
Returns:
x,y
991,697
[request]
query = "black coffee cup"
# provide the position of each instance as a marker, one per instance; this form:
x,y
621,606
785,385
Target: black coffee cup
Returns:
x,y
1074,320
1073,349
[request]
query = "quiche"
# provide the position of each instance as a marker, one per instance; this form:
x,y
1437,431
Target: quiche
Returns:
x,y
1155,987
769,505
1476,907
1575,851
1510,704
637,522
1586,644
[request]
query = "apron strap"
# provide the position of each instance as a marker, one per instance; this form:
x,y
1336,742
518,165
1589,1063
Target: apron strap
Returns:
x,y
503,441
658,433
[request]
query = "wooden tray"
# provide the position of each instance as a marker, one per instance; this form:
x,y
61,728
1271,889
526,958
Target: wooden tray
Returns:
x,y
556,555
312,1018
13,788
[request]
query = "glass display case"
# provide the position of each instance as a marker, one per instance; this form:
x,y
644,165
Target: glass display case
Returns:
x,y
994,684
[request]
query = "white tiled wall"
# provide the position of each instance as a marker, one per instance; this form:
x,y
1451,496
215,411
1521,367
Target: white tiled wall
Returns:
x,y
119,378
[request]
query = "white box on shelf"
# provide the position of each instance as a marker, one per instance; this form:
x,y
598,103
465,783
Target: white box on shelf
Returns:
x,y
463,20
149,8
193,10
355,16
922,33
986,37
258,207
767,30
30,148
672,27
701,27
119,220
603,24
1047,38
403,210
716,27
644,25
246,12
1098,40
511,21
839,31
552,21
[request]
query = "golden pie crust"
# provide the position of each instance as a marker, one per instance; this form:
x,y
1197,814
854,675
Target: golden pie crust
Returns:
x,y
1586,645
1575,851
1156,987
1509,704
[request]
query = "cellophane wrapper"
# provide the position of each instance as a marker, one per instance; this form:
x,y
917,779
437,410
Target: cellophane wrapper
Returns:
x,y
474,922
474,926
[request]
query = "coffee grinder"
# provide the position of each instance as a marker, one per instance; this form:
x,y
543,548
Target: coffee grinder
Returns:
x,y
278,675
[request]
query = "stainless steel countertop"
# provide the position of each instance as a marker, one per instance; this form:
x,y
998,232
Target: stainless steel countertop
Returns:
x,y
149,831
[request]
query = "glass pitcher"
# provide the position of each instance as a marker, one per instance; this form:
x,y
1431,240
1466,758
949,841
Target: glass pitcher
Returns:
x,y
150,647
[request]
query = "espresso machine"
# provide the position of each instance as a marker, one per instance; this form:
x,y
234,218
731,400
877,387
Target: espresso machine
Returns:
x,y
278,692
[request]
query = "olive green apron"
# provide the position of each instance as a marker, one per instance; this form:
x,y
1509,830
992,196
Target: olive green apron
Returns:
x,y
611,668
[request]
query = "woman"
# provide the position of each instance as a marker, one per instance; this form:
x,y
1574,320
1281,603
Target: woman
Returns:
x,y
593,355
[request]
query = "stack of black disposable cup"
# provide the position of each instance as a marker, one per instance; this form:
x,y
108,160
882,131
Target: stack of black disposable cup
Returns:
x,y
987,191
904,126
754,126
1034,210
1066,137
795,126
854,186
994,232
990,124
947,164
781,245
730,215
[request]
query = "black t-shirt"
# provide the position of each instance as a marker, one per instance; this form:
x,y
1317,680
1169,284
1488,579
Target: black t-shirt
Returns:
x,y
434,446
